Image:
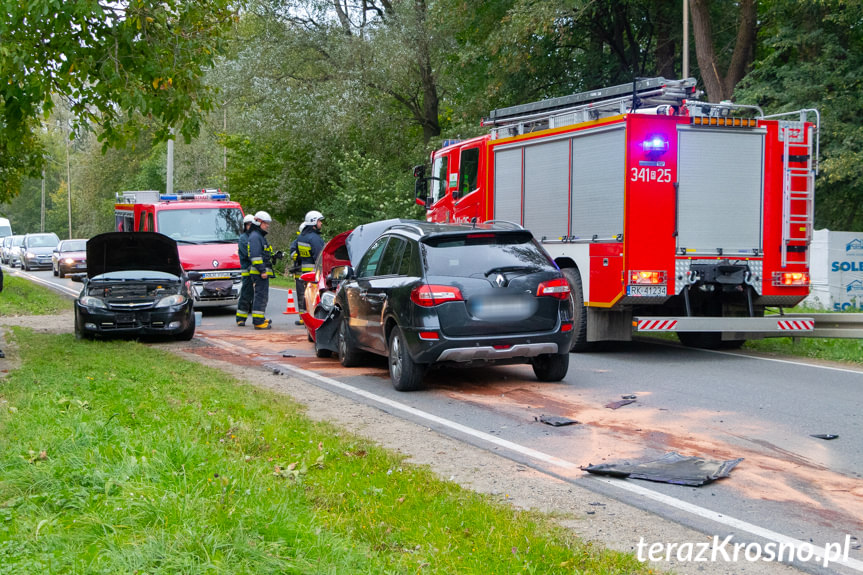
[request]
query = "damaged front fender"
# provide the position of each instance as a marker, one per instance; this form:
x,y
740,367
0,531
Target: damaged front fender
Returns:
x,y
324,331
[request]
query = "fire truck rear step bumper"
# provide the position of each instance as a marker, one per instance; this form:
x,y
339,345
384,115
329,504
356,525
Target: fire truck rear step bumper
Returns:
x,y
778,325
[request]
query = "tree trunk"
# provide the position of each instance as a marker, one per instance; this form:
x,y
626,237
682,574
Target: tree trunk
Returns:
x,y
718,84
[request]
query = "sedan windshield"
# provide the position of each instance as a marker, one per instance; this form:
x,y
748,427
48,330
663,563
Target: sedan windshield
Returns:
x,y
201,225
75,246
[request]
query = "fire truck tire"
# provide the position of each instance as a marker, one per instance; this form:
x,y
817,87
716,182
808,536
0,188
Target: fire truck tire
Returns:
x,y
579,312
551,366
704,340
349,355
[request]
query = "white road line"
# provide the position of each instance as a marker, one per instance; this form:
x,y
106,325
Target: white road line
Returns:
x,y
624,485
47,283
842,369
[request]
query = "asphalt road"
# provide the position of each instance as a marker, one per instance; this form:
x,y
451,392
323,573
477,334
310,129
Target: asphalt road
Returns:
x,y
790,488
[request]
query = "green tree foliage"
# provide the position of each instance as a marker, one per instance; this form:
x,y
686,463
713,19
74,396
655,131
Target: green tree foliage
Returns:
x,y
116,65
811,56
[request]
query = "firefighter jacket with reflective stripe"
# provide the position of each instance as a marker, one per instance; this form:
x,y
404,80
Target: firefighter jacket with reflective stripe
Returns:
x,y
243,252
306,248
260,252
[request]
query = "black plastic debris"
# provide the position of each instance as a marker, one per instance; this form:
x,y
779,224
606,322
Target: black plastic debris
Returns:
x,y
824,436
555,420
287,354
670,468
627,397
619,403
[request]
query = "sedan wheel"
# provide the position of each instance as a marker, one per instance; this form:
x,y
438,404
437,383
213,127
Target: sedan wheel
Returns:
x,y
404,372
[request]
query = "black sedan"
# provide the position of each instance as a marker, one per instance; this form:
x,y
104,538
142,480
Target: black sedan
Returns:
x,y
134,286
433,295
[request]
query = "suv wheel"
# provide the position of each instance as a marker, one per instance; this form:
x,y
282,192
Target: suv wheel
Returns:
x,y
551,366
406,374
348,353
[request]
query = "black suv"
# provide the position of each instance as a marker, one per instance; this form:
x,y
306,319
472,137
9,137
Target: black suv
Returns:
x,y
467,295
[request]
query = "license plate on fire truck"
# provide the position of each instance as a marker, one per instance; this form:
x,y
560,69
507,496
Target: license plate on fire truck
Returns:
x,y
646,291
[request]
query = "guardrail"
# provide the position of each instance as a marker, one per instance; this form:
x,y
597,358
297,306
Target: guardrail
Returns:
x,y
836,325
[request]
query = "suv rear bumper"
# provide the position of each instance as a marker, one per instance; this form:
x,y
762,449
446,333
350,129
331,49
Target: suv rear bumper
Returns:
x,y
504,349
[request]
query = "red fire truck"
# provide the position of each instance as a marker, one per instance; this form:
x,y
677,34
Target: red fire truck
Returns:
x,y
206,226
666,213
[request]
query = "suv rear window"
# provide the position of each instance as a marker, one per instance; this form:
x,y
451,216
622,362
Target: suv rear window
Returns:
x,y
477,252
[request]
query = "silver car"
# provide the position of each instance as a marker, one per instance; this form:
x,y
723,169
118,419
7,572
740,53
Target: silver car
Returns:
x,y
37,249
10,250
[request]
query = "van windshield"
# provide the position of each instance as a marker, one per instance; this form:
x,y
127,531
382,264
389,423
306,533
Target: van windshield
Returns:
x,y
43,241
201,225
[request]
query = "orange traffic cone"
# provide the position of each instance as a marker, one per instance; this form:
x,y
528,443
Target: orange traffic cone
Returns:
x,y
292,305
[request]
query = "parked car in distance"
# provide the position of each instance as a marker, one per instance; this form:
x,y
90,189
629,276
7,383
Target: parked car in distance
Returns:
x,y
10,250
36,250
134,286
426,295
69,256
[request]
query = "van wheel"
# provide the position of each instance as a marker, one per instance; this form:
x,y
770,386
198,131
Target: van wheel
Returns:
x,y
551,366
406,374
579,311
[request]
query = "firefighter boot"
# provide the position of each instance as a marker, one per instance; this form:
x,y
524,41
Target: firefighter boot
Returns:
x,y
267,324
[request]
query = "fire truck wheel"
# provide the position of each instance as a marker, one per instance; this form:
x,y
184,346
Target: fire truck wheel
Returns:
x,y
579,312
704,340
551,366
348,353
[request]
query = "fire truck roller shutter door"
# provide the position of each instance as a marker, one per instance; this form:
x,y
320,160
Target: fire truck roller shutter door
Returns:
x,y
546,189
507,185
720,194
598,183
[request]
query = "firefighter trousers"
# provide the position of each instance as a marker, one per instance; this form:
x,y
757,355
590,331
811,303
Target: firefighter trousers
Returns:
x,y
247,294
262,296
301,295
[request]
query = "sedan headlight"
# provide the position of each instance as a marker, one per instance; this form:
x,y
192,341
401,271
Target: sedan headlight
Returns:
x,y
90,301
176,299
69,261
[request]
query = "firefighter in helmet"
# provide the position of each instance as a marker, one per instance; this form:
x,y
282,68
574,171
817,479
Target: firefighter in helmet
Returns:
x,y
247,290
261,259
304,253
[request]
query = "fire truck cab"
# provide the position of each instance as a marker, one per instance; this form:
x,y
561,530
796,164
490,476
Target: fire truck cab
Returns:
x,y
205,224
666,213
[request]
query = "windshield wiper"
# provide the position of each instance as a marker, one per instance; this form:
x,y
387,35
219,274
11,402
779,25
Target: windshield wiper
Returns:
x,y
187,242
507,269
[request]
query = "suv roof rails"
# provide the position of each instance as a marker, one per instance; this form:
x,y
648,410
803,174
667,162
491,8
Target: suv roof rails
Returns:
x,y
504,224
411,227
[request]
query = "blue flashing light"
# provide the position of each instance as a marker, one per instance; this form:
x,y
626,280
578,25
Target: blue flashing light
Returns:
x,y
169,197
655,145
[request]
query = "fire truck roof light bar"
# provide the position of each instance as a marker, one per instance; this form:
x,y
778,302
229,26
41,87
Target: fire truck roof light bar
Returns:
x,y
653,91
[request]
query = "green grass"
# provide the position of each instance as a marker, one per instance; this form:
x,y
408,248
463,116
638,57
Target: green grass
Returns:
x,y
118,457
23,297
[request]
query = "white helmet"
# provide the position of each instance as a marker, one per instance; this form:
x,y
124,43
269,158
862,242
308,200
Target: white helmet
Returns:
x,y
263,217
248,219
312,218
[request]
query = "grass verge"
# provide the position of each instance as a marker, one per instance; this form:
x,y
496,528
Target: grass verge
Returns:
x,y
23,297
118,457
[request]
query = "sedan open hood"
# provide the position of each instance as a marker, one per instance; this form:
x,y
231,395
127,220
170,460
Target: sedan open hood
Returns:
x,y
127,251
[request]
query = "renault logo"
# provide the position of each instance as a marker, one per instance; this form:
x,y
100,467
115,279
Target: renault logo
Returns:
x,y
215,263
500,281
